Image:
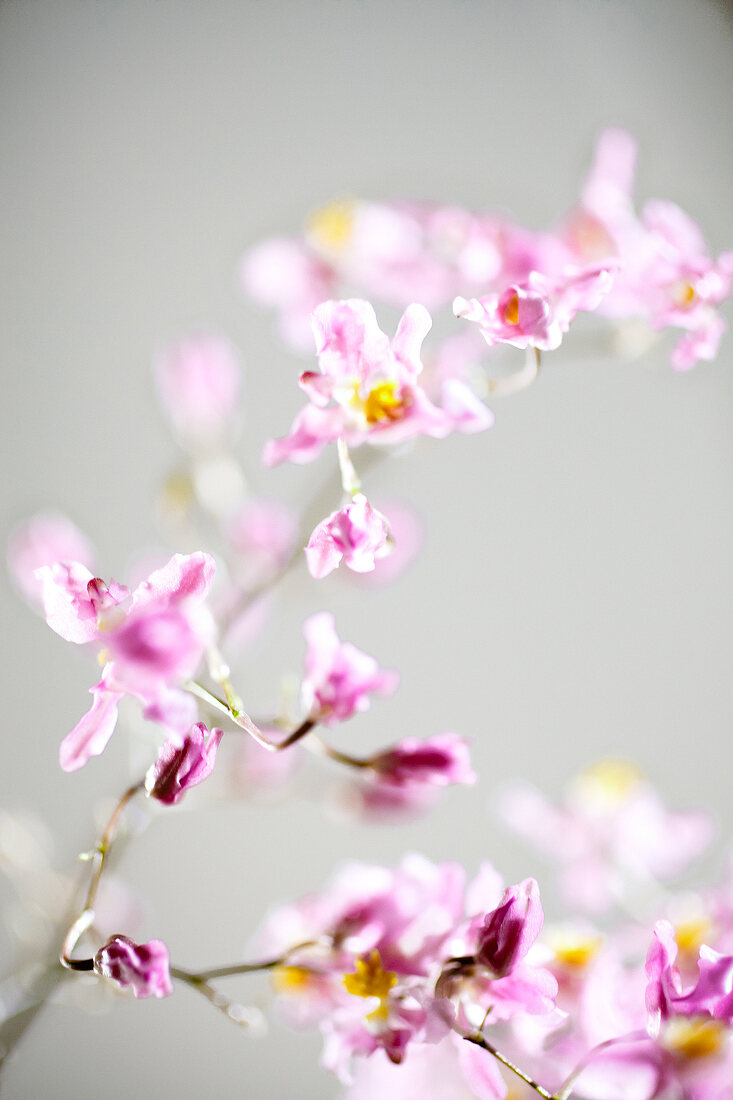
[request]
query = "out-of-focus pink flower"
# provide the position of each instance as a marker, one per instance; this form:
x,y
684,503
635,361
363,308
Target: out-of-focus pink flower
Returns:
x,y
537,312
151,642
437,761
285,274
610,833
357,535
665,274
180,767
367,388
441,1071
511,929
408,777
712,995
263,533
339,677
44,540
145,967
199,382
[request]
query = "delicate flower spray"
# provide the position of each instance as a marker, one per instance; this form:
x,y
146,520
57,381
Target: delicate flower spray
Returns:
x,y
422,980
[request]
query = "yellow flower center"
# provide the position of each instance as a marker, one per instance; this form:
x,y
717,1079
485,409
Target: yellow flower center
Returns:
x,y
694,1037
291,979
610,781
370,978
690,934
511,311
329,227
575,950
684,294
383,403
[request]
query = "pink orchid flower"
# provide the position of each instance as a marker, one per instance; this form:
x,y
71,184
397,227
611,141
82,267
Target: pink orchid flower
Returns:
x,y
357,535
339,677
538,312
367,388
152,641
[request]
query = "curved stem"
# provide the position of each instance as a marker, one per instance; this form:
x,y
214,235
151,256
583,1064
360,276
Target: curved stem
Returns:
x,y
239,968
316,745
566,1088
479,1041
245,722
233,1011
522,378
86,918
107,838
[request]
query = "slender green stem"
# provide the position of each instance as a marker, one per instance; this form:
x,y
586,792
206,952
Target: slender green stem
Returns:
x,y
479,1041
316,745
85,919
107,838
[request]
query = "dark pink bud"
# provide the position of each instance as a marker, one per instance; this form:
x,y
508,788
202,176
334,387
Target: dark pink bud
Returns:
x,y
145,967
511,929
179,767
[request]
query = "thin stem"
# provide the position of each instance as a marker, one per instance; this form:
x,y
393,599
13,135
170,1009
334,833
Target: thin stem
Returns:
x,y
86,918
480,1041
82,923
239,968
107,838
233,1011
350,481
316,745
566,1088
245,722
522,378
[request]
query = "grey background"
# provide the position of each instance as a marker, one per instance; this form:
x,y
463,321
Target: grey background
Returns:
x,y
574,594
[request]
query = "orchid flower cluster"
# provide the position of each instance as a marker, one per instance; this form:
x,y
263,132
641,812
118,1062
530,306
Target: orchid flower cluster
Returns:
x,y
421,979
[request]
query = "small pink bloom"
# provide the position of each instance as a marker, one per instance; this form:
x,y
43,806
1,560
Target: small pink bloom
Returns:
x,y
151,641
44,540
339,677
511,929
199,381
433,762
145,967
537,312
357,535
367,387
181,766
79,606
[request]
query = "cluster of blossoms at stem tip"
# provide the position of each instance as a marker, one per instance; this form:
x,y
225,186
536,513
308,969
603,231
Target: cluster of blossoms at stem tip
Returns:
x,y
521,286
149,642
398,968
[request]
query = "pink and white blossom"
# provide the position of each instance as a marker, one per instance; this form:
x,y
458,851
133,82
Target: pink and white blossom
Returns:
x,y
367,387
357,534
339,678
152,641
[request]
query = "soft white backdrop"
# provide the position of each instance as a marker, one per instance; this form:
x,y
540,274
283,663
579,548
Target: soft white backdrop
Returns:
x,y
574,594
